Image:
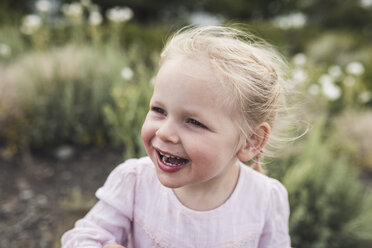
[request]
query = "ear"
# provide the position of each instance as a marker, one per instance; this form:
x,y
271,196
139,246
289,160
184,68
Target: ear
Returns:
x,y
253,144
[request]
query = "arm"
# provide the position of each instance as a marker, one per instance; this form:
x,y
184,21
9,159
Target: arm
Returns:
x,y
275,232
109,221
103,224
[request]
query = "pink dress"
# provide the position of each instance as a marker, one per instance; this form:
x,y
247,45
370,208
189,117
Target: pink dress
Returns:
x,y
133,205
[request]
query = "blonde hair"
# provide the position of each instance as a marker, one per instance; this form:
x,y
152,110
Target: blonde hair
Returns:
x,y
252,69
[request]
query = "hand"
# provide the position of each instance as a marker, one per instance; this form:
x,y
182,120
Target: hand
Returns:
x,y
113,246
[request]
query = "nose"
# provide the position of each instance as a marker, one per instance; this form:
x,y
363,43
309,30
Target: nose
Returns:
x,y
167,132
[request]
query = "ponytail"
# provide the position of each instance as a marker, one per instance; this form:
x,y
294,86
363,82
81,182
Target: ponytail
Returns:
x,y
258,164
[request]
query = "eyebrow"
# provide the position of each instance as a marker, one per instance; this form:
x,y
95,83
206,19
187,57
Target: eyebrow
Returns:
x,y
186,111
191,113
156,102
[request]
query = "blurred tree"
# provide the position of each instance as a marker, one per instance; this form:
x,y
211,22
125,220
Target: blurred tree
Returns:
x,y
336,13
242,9
150,11
328,14
23,5
10,10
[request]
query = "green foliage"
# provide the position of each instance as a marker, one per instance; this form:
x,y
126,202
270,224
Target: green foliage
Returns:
x,y
128,110
150,11
55,94
63,99
150,37
355,129
335,47
11,39
336,13
11,11
331,13
333,74
329,207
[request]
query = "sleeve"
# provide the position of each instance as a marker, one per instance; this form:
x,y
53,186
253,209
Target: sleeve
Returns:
x,y
275,231
109,221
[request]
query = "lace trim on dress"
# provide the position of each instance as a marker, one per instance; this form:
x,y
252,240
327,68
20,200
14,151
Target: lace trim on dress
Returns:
x,y
158,242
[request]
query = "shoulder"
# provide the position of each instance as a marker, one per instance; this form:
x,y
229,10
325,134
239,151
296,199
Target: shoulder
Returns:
x,y
141,171
265,190
133,167
124,177
261,181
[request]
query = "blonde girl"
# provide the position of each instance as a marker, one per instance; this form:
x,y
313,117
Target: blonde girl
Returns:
x,y
216,99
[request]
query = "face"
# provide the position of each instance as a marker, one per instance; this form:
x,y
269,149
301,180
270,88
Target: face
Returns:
x,y
189,135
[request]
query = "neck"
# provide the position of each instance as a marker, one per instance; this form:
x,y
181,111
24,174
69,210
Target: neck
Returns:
x,y
211,194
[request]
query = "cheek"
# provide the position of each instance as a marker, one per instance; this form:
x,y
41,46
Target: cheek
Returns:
x,y
200,149
211,150
206,160
147,132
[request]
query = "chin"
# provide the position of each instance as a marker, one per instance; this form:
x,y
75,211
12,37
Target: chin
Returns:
x,y
173,184
168,180
170,185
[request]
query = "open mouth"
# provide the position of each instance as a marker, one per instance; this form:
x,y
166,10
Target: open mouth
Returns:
x,y
172,160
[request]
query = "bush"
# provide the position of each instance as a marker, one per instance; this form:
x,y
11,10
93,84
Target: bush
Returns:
x,y
329,206
355,128
11,44
128,110
57,97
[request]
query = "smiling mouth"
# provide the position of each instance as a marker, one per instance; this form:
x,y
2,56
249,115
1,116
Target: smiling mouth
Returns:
x,y
171,160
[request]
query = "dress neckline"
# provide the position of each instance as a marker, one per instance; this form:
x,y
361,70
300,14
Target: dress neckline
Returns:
x,y
229,201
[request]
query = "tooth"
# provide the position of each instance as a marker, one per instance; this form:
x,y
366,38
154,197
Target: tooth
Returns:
x,y
164,159
169,156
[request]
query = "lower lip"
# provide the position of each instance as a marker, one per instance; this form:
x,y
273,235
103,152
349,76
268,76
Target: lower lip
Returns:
x,y
169,168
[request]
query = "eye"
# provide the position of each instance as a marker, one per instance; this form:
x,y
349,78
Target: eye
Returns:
x,y
196,123
158,110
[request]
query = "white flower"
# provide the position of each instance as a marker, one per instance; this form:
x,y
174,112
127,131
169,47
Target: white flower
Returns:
x,y
294,20
118,14
127,73
355,68
43,6
326,79
5,50
365,3
330,90
72,10
365,96
313,89
299,75
30,24
95,18
335,71
299,59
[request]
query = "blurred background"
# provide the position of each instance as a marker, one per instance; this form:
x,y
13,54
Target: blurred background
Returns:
x,y
76,77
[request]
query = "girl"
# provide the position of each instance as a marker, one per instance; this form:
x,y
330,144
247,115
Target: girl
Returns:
x,y
215,100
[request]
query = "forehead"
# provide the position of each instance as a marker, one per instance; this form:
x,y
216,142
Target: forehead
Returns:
x,y
195,76
193,68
